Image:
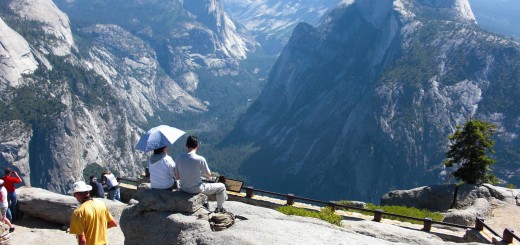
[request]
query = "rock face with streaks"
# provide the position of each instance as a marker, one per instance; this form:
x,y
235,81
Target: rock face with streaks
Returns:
x,y
364,102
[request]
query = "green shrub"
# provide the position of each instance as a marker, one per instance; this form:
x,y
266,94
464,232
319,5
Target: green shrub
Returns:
x,y
400,210
511,186
326,214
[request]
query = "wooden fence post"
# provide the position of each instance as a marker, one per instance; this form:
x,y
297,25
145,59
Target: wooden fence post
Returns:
x,y
378,215
249,192
332,206
508,236
427,224
479,224
290,199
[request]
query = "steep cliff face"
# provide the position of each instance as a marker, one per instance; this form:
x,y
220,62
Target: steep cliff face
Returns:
x,y
53,22
130,66
14,148
16,57
86,94
57,116
365,101
187,57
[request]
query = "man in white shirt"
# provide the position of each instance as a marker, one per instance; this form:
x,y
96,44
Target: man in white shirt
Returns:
x,y
108,179
161,167
190,167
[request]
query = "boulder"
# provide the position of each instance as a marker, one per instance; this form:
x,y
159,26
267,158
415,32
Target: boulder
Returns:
x,y
479,208
467,194
433,197
168,200
55,207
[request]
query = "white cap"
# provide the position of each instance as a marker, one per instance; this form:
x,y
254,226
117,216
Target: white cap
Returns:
x,y
80,186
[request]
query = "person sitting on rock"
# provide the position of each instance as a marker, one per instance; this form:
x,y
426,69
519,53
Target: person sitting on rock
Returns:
x,y
189,169
162,170
108,178
4,205
97,188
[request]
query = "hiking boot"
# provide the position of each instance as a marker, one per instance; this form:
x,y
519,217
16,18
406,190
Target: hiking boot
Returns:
x,y
11,229
220,210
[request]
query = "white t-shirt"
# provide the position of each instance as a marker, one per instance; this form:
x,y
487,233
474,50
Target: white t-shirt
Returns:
x,y
162,175
111,180
3,192
190,167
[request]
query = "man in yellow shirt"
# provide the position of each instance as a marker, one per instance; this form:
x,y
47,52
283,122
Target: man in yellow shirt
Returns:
x,y
90,221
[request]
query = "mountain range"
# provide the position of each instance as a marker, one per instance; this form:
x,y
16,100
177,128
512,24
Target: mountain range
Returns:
x,y
364,102
355,102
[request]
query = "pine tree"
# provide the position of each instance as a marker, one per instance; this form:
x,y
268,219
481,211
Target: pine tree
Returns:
x,y
470,145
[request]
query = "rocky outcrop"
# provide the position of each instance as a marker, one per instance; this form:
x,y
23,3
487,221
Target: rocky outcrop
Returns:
x,y
55,207
14,148
55,24
433,197
461,204
161,217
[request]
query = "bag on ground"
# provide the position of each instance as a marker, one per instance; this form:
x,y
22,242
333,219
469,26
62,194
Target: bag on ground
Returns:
x,y
221,221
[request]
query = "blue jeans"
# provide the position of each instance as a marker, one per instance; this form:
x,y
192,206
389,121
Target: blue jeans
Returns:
x,y
13,206
115,194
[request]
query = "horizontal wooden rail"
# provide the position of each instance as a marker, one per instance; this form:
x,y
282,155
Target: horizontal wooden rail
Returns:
x,y
377,213
130,180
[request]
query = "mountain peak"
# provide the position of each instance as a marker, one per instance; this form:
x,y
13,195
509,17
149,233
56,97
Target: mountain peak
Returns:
x,y
376,11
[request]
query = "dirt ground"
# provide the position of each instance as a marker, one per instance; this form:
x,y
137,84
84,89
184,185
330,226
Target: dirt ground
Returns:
x,y
31,230
505,217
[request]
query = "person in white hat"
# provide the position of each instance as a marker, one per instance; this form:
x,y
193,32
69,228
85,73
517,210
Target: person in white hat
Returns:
x,y
4,205
90,221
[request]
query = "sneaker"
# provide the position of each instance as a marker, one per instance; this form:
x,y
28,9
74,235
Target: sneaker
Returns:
x,y
11,229
220,210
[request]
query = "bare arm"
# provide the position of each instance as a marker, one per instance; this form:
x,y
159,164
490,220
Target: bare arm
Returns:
x,y
112,223
81,239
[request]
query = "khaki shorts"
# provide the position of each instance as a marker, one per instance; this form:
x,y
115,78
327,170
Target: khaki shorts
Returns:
x,y
4,212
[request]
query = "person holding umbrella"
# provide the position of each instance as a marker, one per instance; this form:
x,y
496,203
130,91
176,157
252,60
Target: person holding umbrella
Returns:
x,y
189,168
161,165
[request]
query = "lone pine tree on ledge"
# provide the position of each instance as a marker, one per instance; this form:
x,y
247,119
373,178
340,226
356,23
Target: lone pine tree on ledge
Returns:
x,y
470,145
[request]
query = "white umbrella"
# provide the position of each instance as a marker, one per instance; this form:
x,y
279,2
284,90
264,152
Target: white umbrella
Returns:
x,y
158,137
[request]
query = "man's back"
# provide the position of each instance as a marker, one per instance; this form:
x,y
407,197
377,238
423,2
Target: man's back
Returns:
x,y
190,166
91,218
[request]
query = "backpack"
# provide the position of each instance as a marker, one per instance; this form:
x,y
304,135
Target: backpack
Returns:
x,y
221,221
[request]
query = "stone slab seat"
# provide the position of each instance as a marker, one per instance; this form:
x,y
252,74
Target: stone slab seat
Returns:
x,y
168,200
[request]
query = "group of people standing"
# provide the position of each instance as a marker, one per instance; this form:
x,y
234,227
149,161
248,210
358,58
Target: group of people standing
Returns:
x,y
8,200
90,221
109,183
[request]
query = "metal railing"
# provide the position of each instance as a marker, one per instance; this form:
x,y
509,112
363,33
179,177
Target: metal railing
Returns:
x,y
507,236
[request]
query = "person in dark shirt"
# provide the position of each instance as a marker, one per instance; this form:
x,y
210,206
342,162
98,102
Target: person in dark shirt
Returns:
x,y
97,188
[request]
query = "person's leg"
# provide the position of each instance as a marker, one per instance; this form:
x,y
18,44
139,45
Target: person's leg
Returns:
x,y
13,206
117,194
111,194
216,188
9,215
3,214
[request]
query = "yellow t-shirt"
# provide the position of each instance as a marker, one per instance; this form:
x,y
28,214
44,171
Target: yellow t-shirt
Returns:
x,y
91,219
